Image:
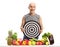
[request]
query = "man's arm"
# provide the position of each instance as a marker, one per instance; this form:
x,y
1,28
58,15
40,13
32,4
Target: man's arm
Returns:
x,y
41,25
23,22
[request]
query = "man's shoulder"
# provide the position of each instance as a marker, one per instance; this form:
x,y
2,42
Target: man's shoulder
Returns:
x,y
37,15
26,15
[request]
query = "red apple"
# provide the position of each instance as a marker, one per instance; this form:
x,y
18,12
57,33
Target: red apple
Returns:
x,y
14,42
39,43
20,42
25,42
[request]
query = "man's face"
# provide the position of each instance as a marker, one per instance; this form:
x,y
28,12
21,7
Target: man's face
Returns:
x,y
32,7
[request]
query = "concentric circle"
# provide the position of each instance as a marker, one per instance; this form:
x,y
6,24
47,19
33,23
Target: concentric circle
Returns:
x,y
31,29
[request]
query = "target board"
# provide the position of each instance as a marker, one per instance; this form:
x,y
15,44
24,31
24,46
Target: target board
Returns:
x,y
31,29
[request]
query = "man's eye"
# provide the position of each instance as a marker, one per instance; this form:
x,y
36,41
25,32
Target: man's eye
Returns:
x,y
30,6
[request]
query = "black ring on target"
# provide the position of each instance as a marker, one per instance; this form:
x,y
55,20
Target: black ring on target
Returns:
x,y
31,29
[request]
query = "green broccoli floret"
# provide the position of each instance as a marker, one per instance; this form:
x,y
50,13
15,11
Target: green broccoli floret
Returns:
x,y
14,36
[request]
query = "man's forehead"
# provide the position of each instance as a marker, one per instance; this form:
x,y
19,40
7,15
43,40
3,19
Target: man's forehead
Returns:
x,y
32,4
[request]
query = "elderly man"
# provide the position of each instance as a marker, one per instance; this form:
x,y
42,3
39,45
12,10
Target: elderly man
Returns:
x,y
31,16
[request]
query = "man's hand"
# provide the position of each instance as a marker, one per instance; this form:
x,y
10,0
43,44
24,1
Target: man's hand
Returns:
x,y
40,31
22,29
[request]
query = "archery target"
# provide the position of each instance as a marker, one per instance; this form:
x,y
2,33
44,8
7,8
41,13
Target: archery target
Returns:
x,y
31,29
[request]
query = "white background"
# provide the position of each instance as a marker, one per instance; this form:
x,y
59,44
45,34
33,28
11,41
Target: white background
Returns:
x,y
12,11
